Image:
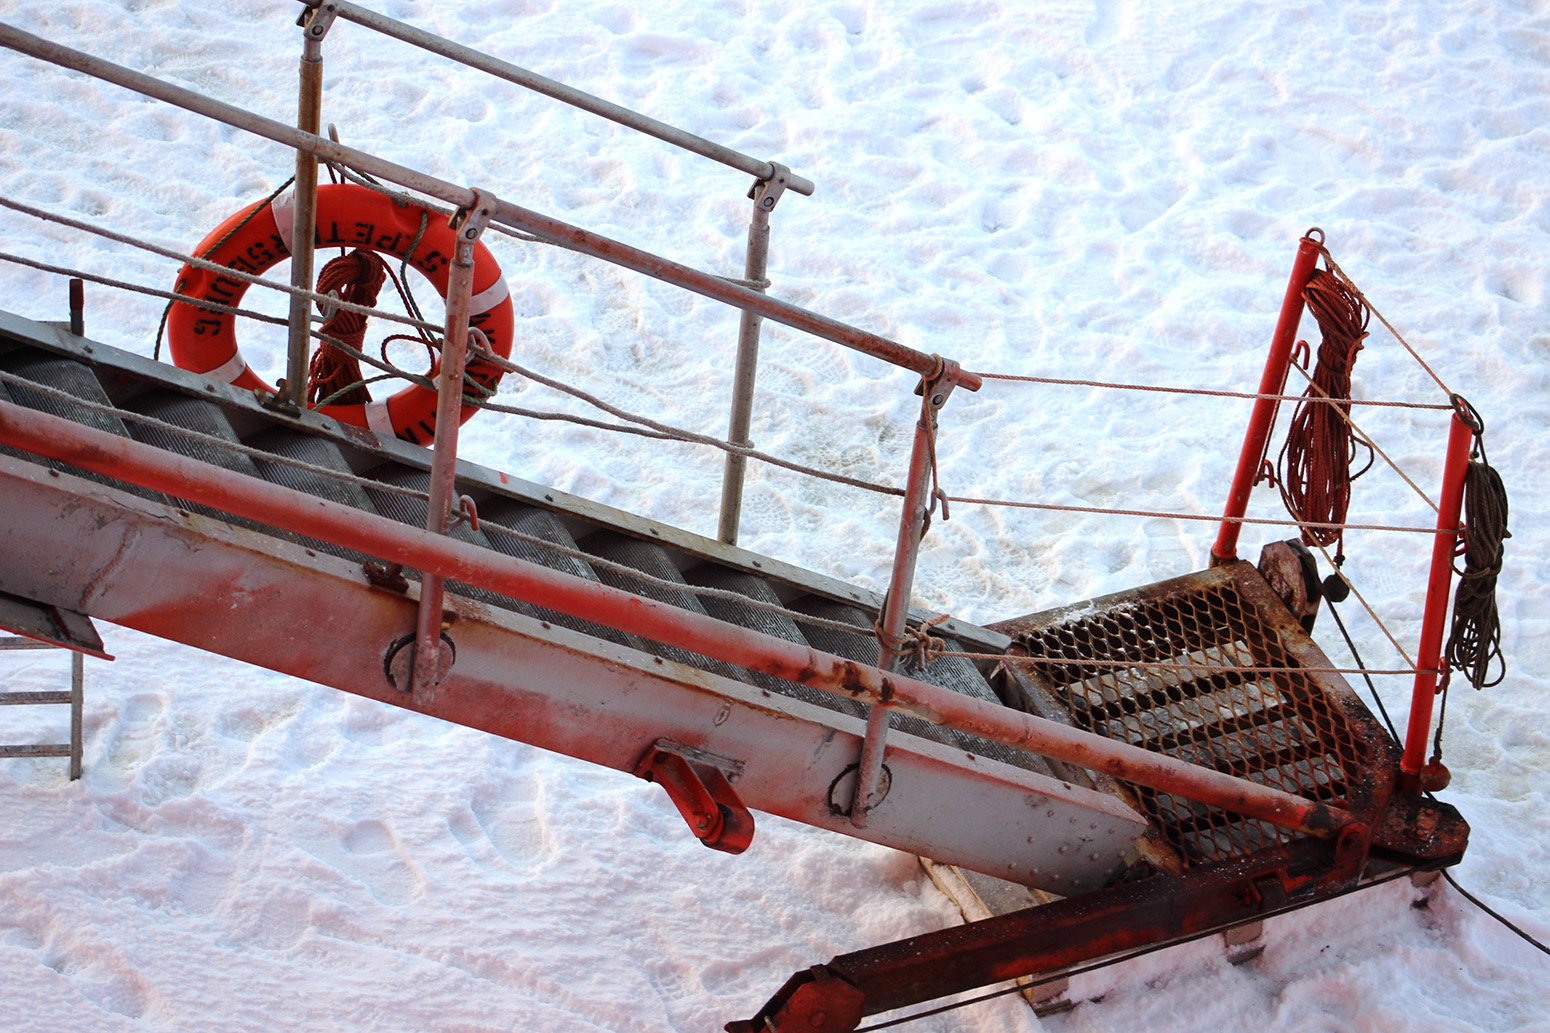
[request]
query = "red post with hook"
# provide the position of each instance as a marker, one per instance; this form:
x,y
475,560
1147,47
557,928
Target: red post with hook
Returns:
x,y
1272,382
1461,437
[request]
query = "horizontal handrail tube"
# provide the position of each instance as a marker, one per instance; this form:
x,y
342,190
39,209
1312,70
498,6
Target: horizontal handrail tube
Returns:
x,y
125,459
508,214
567,94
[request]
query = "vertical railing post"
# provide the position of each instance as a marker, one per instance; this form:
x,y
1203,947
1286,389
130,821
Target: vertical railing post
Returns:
x,y
428,669
896,604
77,701
765,194
315,23
1272,382
1434,619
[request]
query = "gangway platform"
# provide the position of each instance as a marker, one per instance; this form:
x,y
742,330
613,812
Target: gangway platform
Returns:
x,y
1211,669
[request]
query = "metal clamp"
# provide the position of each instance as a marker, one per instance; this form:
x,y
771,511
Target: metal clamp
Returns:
x,y
939,383
469,223
700,786
766,193
317,19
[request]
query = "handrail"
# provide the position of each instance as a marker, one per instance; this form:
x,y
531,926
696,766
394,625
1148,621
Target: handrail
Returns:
x,y
134,462
761,170
509,214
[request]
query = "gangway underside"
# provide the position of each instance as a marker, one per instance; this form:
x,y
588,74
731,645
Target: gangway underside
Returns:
x,y
1160,803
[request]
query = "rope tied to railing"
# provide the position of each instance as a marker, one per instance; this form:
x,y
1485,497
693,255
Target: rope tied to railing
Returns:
x,y
1315,464
1475,642
357,277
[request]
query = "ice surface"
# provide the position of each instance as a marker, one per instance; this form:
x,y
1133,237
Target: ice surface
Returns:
x,y
1086,190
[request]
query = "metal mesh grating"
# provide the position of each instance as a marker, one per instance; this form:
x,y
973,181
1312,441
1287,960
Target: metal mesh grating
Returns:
x,y
1203,702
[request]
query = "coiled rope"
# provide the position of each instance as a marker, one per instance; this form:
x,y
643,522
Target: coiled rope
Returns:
x,y
1475,642
1315,463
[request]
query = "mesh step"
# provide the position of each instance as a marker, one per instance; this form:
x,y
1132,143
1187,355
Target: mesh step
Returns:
x,y
1208,668
411,509
320,452
544,525
710,575
74,378
654,560
206,418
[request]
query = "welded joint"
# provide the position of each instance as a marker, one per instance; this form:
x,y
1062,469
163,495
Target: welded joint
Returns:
x,y
318,17
766,193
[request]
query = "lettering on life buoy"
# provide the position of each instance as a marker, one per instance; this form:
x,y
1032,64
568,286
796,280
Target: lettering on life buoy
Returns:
x,y
348,216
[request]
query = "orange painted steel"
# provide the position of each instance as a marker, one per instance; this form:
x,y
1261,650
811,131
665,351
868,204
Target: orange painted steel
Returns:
x,y
1271,384
136,463
1429,656
253,241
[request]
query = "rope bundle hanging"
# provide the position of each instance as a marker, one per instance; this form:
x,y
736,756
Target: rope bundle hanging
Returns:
x,y
334,374
1315,463
1475,642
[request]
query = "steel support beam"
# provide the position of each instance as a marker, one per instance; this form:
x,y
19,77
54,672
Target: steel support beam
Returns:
x,y
275,506
271,602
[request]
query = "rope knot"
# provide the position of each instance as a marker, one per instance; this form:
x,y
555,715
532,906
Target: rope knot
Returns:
x,y
355,278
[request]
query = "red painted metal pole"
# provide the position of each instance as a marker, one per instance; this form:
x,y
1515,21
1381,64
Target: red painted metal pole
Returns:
x,y
449,417
1272,382
130,461
896,605
1429,656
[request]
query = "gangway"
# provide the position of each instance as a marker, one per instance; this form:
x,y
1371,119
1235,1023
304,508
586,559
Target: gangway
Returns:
x,y
1168,761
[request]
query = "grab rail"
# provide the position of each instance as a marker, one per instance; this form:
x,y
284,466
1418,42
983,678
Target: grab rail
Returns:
x,y
476,208
761,170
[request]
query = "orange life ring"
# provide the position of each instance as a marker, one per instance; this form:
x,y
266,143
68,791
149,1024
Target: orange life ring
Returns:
x,y
348,216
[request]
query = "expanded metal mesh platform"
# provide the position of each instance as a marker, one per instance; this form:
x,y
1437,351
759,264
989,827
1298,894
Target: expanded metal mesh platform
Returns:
x,y
1214,669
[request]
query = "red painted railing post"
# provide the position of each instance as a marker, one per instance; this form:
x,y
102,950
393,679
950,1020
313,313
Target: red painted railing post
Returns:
x,y
1429,656
1273,382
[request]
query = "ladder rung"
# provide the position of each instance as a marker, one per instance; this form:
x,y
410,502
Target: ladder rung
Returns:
x,y
16,699
46,750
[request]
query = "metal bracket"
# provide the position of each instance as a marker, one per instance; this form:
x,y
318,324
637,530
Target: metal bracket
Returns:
x,y
766,193
398,664
317,19
469,223
939,383
702,791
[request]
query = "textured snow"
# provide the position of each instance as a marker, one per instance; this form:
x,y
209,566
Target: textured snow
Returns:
x,y
1086,190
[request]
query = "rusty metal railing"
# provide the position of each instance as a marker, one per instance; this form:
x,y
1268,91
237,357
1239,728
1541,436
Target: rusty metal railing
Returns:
x,y
476,208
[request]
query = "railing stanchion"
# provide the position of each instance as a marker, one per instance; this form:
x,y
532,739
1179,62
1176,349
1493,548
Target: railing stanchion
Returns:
x,y
309,117
894,618
1272,382
1428,659
765,194
428,669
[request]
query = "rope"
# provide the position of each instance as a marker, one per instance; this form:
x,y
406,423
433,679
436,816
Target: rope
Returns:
x,y
1315,463
1165,515
393,489
1365,439
1350,285
1202,391
1475,643
333,373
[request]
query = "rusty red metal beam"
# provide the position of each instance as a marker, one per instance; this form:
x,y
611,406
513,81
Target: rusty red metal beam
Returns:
x,y
131,461
1429,655
1271,382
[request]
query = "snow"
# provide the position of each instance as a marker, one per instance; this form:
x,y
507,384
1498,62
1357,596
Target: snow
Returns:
x,y
1088,190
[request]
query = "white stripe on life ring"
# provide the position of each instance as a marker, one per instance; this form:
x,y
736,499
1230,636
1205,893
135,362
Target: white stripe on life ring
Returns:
x,y
284,209
378,420
488,298
228,371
